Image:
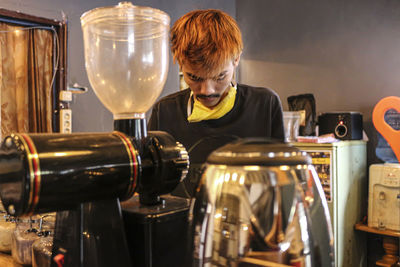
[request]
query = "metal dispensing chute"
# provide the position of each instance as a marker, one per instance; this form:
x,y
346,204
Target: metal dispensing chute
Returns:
x,y
84,176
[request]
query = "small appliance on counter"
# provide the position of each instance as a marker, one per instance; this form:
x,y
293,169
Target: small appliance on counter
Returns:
x,y
384,196
345,125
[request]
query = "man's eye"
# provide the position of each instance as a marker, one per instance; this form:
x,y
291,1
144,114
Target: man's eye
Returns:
x,y
220,78
194,78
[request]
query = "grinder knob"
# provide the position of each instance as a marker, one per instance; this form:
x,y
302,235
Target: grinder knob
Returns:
x,y
165,164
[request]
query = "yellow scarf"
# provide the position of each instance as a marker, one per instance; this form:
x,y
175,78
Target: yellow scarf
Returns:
x,y
201,112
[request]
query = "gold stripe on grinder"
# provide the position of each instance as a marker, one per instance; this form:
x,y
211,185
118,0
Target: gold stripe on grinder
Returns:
x,y
133,161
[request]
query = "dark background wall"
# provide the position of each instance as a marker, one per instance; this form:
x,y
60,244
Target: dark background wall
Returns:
x,y
345,52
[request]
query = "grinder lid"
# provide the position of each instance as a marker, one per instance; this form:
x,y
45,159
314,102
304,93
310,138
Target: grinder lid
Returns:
x,y
260,151
125,13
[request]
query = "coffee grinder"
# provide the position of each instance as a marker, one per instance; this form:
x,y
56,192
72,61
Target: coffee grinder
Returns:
x,y
84,176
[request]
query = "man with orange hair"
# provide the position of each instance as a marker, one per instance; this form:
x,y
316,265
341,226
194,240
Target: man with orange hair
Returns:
x,y
207,44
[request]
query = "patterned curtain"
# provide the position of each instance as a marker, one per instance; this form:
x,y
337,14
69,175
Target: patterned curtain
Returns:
x,y
40,78
26,71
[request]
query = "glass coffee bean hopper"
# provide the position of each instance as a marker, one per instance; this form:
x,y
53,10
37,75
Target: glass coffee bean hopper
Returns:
x,y
126,55
260,204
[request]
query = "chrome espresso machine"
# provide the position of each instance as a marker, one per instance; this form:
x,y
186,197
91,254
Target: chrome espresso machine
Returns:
x,y
259,203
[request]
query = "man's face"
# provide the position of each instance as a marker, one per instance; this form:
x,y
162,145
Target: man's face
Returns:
x,y
209,89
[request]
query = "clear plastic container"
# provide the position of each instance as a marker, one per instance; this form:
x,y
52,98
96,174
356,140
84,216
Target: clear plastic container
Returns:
x,y
126,55
291,122
22,239
7,227
42,247
41,252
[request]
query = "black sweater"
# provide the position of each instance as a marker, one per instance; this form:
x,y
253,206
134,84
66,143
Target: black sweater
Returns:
x,y
257,112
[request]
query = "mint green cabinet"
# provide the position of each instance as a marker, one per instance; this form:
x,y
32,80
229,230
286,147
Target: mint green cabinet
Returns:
x,y
342,168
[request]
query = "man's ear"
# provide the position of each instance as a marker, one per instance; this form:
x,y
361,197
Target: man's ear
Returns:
x,y
236,61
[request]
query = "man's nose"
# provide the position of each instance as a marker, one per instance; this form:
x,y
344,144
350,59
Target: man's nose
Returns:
x,y
207,87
